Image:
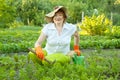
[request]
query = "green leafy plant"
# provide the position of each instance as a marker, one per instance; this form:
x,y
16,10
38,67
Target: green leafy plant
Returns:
x,y
115,31
95,25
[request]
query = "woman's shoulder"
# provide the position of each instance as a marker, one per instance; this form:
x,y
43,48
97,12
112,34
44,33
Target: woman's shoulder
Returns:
x,y
70,25
48,25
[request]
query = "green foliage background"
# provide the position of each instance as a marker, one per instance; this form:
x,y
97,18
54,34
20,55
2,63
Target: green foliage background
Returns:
x,y
100,65
32,12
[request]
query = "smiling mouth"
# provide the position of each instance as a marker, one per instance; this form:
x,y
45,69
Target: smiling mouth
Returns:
x,y
58,19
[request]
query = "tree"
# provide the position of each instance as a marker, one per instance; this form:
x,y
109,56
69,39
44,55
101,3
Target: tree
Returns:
x,y
7,13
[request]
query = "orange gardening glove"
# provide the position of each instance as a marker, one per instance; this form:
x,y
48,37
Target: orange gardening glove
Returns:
x,y
39,52
76,49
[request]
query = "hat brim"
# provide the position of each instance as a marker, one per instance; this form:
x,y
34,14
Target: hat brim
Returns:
x,y
50,15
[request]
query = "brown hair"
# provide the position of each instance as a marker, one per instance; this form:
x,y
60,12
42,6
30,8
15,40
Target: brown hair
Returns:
x,y
61,10
64,15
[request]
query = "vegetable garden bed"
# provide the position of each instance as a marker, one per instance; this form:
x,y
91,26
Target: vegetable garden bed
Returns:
x,y
101,55
102,65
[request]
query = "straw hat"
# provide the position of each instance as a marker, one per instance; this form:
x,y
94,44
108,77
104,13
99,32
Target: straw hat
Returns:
x,y
50,15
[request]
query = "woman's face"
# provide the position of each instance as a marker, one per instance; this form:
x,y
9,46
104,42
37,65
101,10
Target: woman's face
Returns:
x,y
58,18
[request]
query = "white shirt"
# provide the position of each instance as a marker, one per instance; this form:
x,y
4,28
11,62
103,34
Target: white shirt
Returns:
x,y
58,43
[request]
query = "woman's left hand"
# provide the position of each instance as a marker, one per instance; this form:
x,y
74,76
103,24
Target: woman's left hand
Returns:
x,y
76,49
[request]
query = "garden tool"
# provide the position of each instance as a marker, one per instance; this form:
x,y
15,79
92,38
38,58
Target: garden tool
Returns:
x,y
44,58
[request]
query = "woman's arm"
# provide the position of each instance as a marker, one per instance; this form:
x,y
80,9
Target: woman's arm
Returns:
x,y
41,38
76,43
76,38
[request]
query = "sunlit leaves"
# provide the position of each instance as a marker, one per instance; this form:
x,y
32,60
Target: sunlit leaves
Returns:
x,y
96,25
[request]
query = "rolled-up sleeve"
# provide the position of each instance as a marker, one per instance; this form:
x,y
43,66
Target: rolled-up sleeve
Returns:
x,y
73,29
45,30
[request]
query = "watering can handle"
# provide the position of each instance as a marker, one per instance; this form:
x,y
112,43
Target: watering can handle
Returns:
x,y
75,58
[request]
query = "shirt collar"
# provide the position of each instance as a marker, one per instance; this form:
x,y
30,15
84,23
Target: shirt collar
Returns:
x,y
52,26
65,26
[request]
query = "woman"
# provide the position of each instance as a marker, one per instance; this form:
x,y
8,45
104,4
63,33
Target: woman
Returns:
x,y
58,34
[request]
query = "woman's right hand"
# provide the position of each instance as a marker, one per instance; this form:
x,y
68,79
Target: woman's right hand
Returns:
x,y
39,52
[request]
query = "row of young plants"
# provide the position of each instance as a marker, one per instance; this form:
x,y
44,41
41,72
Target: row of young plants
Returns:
x,y
102,66
87,44
102,44
20,39
16,47
99,65
18,35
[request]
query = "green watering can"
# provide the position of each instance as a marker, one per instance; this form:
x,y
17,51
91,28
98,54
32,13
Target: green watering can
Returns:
x,y
78,60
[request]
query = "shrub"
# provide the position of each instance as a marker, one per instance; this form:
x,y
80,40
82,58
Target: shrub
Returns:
x,y
7,13
96,25
116,31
